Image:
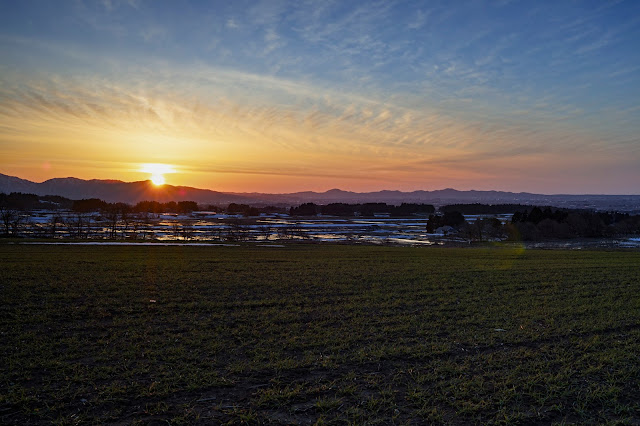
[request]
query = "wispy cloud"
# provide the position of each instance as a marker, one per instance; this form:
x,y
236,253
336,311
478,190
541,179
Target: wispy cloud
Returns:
x,y
326,129
272,40
369,87
153,32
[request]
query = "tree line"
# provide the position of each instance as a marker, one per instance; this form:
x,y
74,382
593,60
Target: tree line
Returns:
x,y
97,205
27,202
533,223
486,209
20,201
544,223
366,209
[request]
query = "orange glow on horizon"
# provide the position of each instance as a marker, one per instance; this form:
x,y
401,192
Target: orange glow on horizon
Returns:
x,y
158,180
157,172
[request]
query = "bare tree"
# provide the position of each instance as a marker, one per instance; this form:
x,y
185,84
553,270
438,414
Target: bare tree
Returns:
x,y
186,231
144,224
79,225
10,219
134,229
265,231
235,231
285,232
53,227
298,231
112,217
175,230
125,219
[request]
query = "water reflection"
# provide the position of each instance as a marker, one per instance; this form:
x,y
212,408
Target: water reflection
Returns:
x,y
213,227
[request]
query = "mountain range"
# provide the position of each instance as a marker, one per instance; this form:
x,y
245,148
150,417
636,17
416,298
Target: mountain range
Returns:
x,y
133,192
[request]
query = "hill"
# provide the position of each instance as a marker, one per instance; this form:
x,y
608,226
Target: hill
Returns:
x,y
117,191
134,192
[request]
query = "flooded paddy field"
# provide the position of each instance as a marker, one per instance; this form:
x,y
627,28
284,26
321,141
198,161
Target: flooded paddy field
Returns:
x,y
211,227
204,226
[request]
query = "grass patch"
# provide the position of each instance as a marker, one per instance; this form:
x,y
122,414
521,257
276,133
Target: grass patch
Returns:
x,y
317,334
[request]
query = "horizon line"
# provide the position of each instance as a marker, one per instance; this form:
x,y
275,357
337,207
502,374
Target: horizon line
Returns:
x,y
331,189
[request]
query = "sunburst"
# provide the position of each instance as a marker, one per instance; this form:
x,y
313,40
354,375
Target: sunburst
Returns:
x,y
157,172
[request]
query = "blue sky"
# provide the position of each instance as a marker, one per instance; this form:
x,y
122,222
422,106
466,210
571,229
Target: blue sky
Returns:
x,y
274,95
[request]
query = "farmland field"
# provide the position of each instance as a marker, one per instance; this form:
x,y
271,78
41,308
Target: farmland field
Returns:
x,y
318,333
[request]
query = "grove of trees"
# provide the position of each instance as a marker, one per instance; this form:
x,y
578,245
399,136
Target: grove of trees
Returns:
x,y
366,209
548,223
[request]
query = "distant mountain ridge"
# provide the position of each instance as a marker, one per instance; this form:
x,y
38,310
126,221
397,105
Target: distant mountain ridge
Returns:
x,y
134,192
115,190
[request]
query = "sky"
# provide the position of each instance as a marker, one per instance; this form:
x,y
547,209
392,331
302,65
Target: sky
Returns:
x,y
284,96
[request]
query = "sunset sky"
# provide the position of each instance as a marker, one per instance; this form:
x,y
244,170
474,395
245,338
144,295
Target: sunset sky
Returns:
x,y
277,96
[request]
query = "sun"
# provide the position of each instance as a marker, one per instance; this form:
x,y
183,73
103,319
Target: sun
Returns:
x,y
157,172
158,180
